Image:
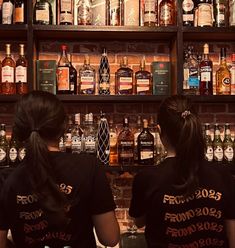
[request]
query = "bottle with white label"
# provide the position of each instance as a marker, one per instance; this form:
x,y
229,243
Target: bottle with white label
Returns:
x,y
3,146
231,12
208,143
205,13
188,9
228,145
66,12
77,135
7,11
42,13
13,152
68,135
217,145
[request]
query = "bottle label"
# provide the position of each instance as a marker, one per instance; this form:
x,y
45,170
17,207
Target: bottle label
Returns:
x,y
8,74
76,143
206,73
126,83
142,85
42,15
113,139
149,6
166,14
66,17
188,17
127,143
90,143
228,153
146,154
19,14
13,154
232,70
87,82
232,13
66,6
187,5
21,74
7,11
226,86
68,139
2,155
205,14
209,153
63,78
22,153
218,153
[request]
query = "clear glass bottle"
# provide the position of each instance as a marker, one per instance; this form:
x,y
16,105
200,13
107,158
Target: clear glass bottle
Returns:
x,y
42,13
77,135
217,145
84,10
208,143
66,12
124,79
19,12
87,76
7,11
223,76
21,72
228,145
231,12
104,75
220,13
8,73
115,13
167,13
68,135
3,146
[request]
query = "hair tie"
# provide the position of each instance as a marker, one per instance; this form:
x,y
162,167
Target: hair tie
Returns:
x,y
185,114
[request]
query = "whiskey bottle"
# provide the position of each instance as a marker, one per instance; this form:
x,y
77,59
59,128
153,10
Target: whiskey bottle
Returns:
x,y
231,12
63,72
205,15
206,73
13,152
21,151
87,76
145,146
21,73
217,145
126,145
223,76
7,11
66,12
42,13
72,77
19,13
104,75
167,15
68,135
228,145
77,135
208,144
8,73
113,158
143,81
115,13
124,79
220,13
84,12
3,146
150,13
188,12
232,70
137,132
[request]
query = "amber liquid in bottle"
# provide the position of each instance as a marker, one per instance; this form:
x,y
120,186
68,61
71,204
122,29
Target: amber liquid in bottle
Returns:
x,y
167,15
21,73
8,73
19,13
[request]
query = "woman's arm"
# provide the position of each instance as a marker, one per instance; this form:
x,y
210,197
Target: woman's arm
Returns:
x,y
3,239
107,228
230,229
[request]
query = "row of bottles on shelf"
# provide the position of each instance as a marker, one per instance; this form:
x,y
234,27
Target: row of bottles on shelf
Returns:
x,y
13,74
125,146
198,74
208,13
220,146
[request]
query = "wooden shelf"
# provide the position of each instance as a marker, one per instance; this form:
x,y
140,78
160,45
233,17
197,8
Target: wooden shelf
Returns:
x,y
46,32
212,99
13,32
9,98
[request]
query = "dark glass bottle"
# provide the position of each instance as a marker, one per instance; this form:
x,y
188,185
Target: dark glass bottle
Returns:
x,y
145,146
19,13
208,143
7,11
42,13
104,75
188,15
217,145
66,9
72,77
13,152
228,145
3,146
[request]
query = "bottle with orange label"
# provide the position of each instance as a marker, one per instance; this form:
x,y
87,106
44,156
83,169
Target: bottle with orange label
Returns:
x,y
19,13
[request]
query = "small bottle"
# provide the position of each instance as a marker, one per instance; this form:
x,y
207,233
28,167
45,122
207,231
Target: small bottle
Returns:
x,y
223,76
84,10
232,70
137,132
21,72
21,152
8,73
188,12
104,75
126,145
7,11
205,15
19,13
13,152
72,77
231,12
124,79
208,143
143,81
167,13
87,75
77,135
228,145
220,13
113,158
150,13
217,145
42,13
206,73
3,146
68,135
66,12
63,72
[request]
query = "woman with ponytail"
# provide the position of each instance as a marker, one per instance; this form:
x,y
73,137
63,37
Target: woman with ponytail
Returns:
x,y
54,199
185,202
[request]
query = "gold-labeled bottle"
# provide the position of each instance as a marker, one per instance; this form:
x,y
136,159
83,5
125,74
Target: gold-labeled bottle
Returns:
x,y
217,145
223,76
8,73
228,145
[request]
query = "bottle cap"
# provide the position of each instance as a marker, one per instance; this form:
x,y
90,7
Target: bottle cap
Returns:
x,y
206,48
63,47
223,52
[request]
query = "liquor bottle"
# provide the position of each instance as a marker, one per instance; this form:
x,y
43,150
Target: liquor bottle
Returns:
x,y
220,13
68,135
84,12
231,12
103,140
223,76
186,71
206,73
13,152
150,13
217,145
7,11
66,12
90,135
228,145
205,15
113,158
42,13
115,13
188,12
145,146
126,145
77,135
167,15
72,77
1,13
208,144
21,72
19,13
143,81
104,75
232,70
63,73
124,79
8,73
137,132
61,144
153,130
3,146
87,76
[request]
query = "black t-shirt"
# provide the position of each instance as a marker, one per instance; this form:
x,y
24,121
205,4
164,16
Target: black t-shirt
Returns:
x,y
85,184
176,222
